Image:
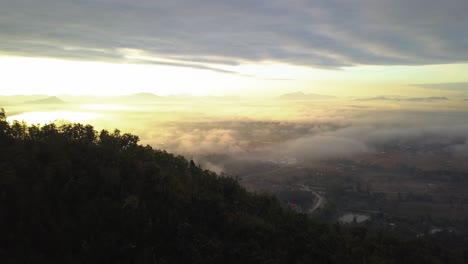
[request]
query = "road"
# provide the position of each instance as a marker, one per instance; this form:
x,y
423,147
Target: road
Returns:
x,y
319,201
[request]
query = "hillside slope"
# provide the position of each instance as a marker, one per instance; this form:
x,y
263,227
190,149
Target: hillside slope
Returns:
x,y
70,194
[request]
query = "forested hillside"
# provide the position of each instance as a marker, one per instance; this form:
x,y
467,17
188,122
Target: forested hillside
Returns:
x,y
70,194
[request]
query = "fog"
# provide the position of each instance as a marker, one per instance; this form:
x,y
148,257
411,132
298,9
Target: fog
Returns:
x,y
259,129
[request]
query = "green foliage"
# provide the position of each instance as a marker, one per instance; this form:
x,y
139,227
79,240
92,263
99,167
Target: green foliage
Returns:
x,y
69,194
3,124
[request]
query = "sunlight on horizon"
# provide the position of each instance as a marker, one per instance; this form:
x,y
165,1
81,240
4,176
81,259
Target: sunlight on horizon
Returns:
x,y
22,75
106,107
53,116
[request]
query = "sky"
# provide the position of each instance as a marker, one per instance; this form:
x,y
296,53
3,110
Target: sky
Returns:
x,y
244,47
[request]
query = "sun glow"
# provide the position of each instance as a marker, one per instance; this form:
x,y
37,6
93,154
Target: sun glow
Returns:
x,y
55,77
106,107
48,117
22,75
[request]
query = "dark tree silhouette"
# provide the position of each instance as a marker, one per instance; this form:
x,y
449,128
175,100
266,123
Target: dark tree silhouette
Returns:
x,y
69,194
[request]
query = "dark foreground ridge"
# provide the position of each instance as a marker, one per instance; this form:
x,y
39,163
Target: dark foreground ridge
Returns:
x,y
69,194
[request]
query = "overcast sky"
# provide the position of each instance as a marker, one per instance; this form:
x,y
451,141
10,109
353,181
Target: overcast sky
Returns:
x,y
250,39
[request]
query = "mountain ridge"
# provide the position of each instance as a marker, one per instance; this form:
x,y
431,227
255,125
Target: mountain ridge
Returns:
x,y
303,96
48,100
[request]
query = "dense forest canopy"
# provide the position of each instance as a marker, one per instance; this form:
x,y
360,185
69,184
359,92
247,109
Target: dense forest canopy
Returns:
x,y
71,194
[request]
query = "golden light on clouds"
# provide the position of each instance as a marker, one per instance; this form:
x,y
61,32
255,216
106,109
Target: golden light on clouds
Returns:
x,y
53,116
53,76
106,107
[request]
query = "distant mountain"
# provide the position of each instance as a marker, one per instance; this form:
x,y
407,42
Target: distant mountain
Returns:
x,y
426,99
48,100
143,95
402,99
19,99
378,98
303,96
136,98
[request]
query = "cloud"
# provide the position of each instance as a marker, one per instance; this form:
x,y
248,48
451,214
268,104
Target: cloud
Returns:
x,y
458,86
323,147
314,33
405,99
213,167
237,135
207,141
337,134
461,149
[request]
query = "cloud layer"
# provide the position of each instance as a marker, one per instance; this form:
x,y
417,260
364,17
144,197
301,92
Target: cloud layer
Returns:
x,y
334,134
315,33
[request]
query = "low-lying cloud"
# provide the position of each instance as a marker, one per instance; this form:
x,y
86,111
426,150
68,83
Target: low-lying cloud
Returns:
x,y
364,132
323,147
308,131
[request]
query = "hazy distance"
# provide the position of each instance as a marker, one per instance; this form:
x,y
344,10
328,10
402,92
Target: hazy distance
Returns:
x,y
295,127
